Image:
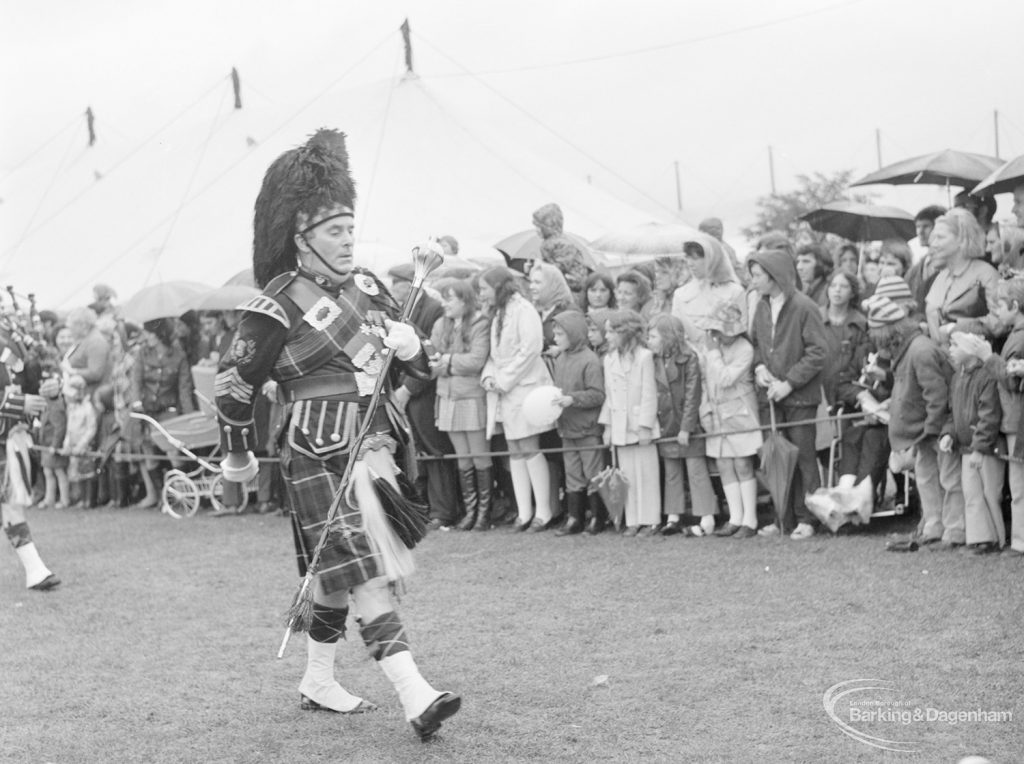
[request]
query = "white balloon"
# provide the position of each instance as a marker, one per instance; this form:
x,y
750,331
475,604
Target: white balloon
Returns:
x,y
540,408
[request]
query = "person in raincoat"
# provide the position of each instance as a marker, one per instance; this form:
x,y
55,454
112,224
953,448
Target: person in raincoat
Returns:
x,y
790,347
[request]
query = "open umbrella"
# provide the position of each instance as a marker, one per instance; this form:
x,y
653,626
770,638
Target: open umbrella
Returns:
x,y
942,168
525,245
171,298
778,462
1003,180
648,239
227,297
862,222
242,278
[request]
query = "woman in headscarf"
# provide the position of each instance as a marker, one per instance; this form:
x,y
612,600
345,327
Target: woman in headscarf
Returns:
x,y
713,282
551,295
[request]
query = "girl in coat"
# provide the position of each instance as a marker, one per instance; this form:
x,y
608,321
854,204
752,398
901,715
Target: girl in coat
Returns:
x,y
462,338
513,370
677,373
729,409
630,417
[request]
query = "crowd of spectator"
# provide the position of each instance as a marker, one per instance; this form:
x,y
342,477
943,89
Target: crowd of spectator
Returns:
x,y
671,369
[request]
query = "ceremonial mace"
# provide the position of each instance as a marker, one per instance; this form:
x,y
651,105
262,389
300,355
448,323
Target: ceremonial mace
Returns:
x,y
425,261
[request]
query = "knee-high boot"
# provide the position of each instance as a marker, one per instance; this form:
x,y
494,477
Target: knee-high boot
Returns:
x,y
598,516
467,483
575,523
484,478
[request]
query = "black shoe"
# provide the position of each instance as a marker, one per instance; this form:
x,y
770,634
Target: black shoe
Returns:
x,y
428,723
308,704
571,528
986,547
521,526
671,528
727,530
745,532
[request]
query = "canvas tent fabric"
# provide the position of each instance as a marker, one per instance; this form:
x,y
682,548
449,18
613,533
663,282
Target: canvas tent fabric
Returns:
x,y
180,205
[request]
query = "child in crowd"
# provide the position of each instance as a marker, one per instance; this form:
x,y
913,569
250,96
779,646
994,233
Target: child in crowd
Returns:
x,y
597,320
630,418
730,411
1006,305
974,432
53,425
578,373
81,429
677,373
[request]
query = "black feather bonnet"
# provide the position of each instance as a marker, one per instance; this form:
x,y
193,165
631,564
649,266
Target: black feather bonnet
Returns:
x,y
307,180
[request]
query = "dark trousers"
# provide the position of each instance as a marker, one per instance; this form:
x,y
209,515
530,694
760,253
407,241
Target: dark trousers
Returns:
x,y
865,452
806,478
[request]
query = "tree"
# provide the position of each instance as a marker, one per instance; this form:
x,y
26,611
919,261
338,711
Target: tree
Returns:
x,y
781,212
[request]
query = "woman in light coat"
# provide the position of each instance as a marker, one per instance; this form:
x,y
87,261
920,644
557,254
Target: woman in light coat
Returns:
x,y
630,417
729,408
513,370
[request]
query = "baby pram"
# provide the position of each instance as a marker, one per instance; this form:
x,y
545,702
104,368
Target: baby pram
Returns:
x,y
185,489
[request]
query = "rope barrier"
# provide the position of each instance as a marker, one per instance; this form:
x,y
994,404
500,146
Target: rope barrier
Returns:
x,y
131,457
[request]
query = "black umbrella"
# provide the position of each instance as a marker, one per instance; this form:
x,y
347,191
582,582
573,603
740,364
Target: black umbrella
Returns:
x,y
1003,180
778,458
862,222
942,168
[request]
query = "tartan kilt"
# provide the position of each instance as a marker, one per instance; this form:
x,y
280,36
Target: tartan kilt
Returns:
x,y
348,558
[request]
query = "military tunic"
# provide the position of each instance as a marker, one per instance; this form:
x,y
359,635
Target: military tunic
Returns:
x,y
322,345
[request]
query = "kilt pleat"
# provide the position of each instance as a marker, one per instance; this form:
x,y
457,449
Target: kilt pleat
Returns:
x,y
348,558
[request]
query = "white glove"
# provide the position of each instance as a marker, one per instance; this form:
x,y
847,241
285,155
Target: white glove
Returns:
x,y
240,468
403,339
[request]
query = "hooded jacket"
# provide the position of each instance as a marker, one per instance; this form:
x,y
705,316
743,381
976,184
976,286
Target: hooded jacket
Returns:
x,y
578,372
920,392
793,348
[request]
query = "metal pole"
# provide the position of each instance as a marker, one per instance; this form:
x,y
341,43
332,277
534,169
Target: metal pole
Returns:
x,y
995,118
771,168
878,146
679,188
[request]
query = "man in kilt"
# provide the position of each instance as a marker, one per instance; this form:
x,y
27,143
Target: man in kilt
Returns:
x,y
16,490
318,330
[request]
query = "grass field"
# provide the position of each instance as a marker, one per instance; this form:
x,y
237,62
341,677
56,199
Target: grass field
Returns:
x,y
160,647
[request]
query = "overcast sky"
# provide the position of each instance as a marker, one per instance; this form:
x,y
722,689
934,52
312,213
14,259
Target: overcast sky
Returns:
x,y
615,91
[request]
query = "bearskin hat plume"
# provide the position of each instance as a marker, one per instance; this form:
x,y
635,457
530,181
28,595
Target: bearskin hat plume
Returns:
x,y
307,179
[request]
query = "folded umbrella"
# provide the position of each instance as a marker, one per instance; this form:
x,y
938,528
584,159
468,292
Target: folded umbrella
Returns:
x,y
613,487
778,463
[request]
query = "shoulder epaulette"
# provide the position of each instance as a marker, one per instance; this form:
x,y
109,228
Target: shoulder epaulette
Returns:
x,y
267,306
277,284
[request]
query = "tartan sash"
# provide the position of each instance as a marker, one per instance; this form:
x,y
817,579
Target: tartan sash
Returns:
x,y
330,326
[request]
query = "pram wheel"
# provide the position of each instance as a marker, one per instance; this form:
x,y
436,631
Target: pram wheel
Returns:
x,y
180,495
217,496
